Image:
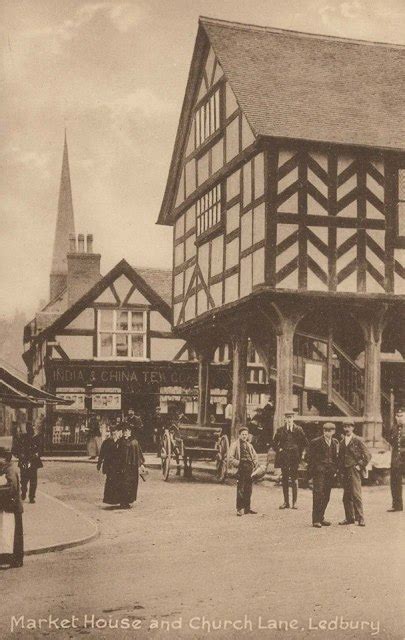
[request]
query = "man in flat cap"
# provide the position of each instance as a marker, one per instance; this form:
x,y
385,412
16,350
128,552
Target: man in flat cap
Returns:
x,y
353,460
322,467
243,456
397,442
289,444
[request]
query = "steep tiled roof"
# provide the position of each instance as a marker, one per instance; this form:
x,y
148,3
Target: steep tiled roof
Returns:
x,y
157,282
160,280
321,88
57,305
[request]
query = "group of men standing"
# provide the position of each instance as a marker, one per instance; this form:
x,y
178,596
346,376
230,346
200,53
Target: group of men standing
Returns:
x,y
121,460
327,459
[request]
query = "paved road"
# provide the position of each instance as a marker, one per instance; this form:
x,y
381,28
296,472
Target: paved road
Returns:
x,y
181,557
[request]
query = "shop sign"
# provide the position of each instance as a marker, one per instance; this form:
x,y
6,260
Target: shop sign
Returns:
x,y
313,376
76,397
132,377
106,401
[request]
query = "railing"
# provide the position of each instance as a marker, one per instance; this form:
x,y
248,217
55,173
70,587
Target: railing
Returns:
x,y
347,376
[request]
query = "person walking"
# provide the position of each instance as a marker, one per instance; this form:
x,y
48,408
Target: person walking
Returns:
x,y
353,460
108,462
322,467
28,450
135,422
243,456
93,437
397,442
11,510
130,465
289,444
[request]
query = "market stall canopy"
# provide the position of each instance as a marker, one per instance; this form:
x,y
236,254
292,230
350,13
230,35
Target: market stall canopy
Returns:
x,y
17,392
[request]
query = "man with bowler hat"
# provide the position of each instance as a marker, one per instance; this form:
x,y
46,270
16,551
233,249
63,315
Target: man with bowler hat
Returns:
x,y
322,467
397,442
289,444
353,460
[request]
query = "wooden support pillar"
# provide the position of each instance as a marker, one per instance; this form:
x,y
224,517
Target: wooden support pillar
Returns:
x,y
204,388
372,388
284,382
282,318
239,382
373,324
330,363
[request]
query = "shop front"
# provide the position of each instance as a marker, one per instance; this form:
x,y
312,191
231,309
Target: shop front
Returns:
x,y
109,390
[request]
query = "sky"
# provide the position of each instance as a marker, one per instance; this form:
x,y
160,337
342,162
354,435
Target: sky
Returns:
x,y
113,72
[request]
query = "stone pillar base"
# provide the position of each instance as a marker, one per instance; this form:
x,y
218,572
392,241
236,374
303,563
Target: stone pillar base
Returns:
x,y
372,434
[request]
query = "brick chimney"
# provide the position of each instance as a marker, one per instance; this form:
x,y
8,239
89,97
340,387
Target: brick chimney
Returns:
x,y
83,267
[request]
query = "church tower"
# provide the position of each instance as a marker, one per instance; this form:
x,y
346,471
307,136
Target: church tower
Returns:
x,y
65,227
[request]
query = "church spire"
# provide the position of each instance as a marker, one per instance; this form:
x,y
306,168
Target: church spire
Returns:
x,y
65,225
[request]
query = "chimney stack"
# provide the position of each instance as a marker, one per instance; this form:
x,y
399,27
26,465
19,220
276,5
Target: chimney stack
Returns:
x,y
72,243
80,243
90,243
83,267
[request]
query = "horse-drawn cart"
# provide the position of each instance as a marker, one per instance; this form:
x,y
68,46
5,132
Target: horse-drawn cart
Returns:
x,y
189,442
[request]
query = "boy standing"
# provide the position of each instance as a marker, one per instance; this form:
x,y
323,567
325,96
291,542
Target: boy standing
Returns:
x,y
243,456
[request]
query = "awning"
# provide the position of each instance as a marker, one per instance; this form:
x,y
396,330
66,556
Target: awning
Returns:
x,y
15,399
17,392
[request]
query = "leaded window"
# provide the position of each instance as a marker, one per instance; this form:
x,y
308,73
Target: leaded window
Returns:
x,y
209,210
207,119
121,334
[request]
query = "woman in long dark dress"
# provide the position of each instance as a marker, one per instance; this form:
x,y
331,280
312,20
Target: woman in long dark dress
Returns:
x,y
131,462
15,557
108,461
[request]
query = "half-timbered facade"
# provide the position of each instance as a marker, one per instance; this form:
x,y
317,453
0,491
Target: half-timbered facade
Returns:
x,y
286,192
105,342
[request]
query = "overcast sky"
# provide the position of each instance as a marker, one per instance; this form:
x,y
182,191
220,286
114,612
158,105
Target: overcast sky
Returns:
x,y
114,73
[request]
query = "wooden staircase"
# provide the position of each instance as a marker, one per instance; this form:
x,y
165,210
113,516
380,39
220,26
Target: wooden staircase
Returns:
x,y
347,378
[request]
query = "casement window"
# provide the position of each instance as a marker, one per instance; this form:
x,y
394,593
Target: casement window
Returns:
x,y
207,119
400,230
121,334
209,210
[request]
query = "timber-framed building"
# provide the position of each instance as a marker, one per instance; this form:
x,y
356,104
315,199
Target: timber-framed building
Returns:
x,y
286,191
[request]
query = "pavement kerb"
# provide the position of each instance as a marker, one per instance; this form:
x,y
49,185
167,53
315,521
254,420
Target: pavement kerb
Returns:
x,y
60,546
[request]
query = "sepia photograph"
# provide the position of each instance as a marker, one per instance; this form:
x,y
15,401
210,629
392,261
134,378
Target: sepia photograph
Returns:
x,y
202,319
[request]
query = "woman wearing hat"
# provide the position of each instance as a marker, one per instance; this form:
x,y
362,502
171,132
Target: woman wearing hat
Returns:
x,y
130,464
11,508
108,462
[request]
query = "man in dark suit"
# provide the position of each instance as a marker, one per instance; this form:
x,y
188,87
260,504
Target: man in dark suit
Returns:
x,y
353,460
289,444
397,442
322,467
28,450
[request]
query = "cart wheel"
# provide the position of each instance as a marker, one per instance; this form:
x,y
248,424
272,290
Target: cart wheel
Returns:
x,y
222,458
165,455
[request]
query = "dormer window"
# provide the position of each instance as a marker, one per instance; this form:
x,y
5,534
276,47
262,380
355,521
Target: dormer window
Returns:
x,y
121,334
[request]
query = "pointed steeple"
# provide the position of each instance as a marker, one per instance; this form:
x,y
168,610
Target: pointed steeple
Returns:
x,y
65,225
